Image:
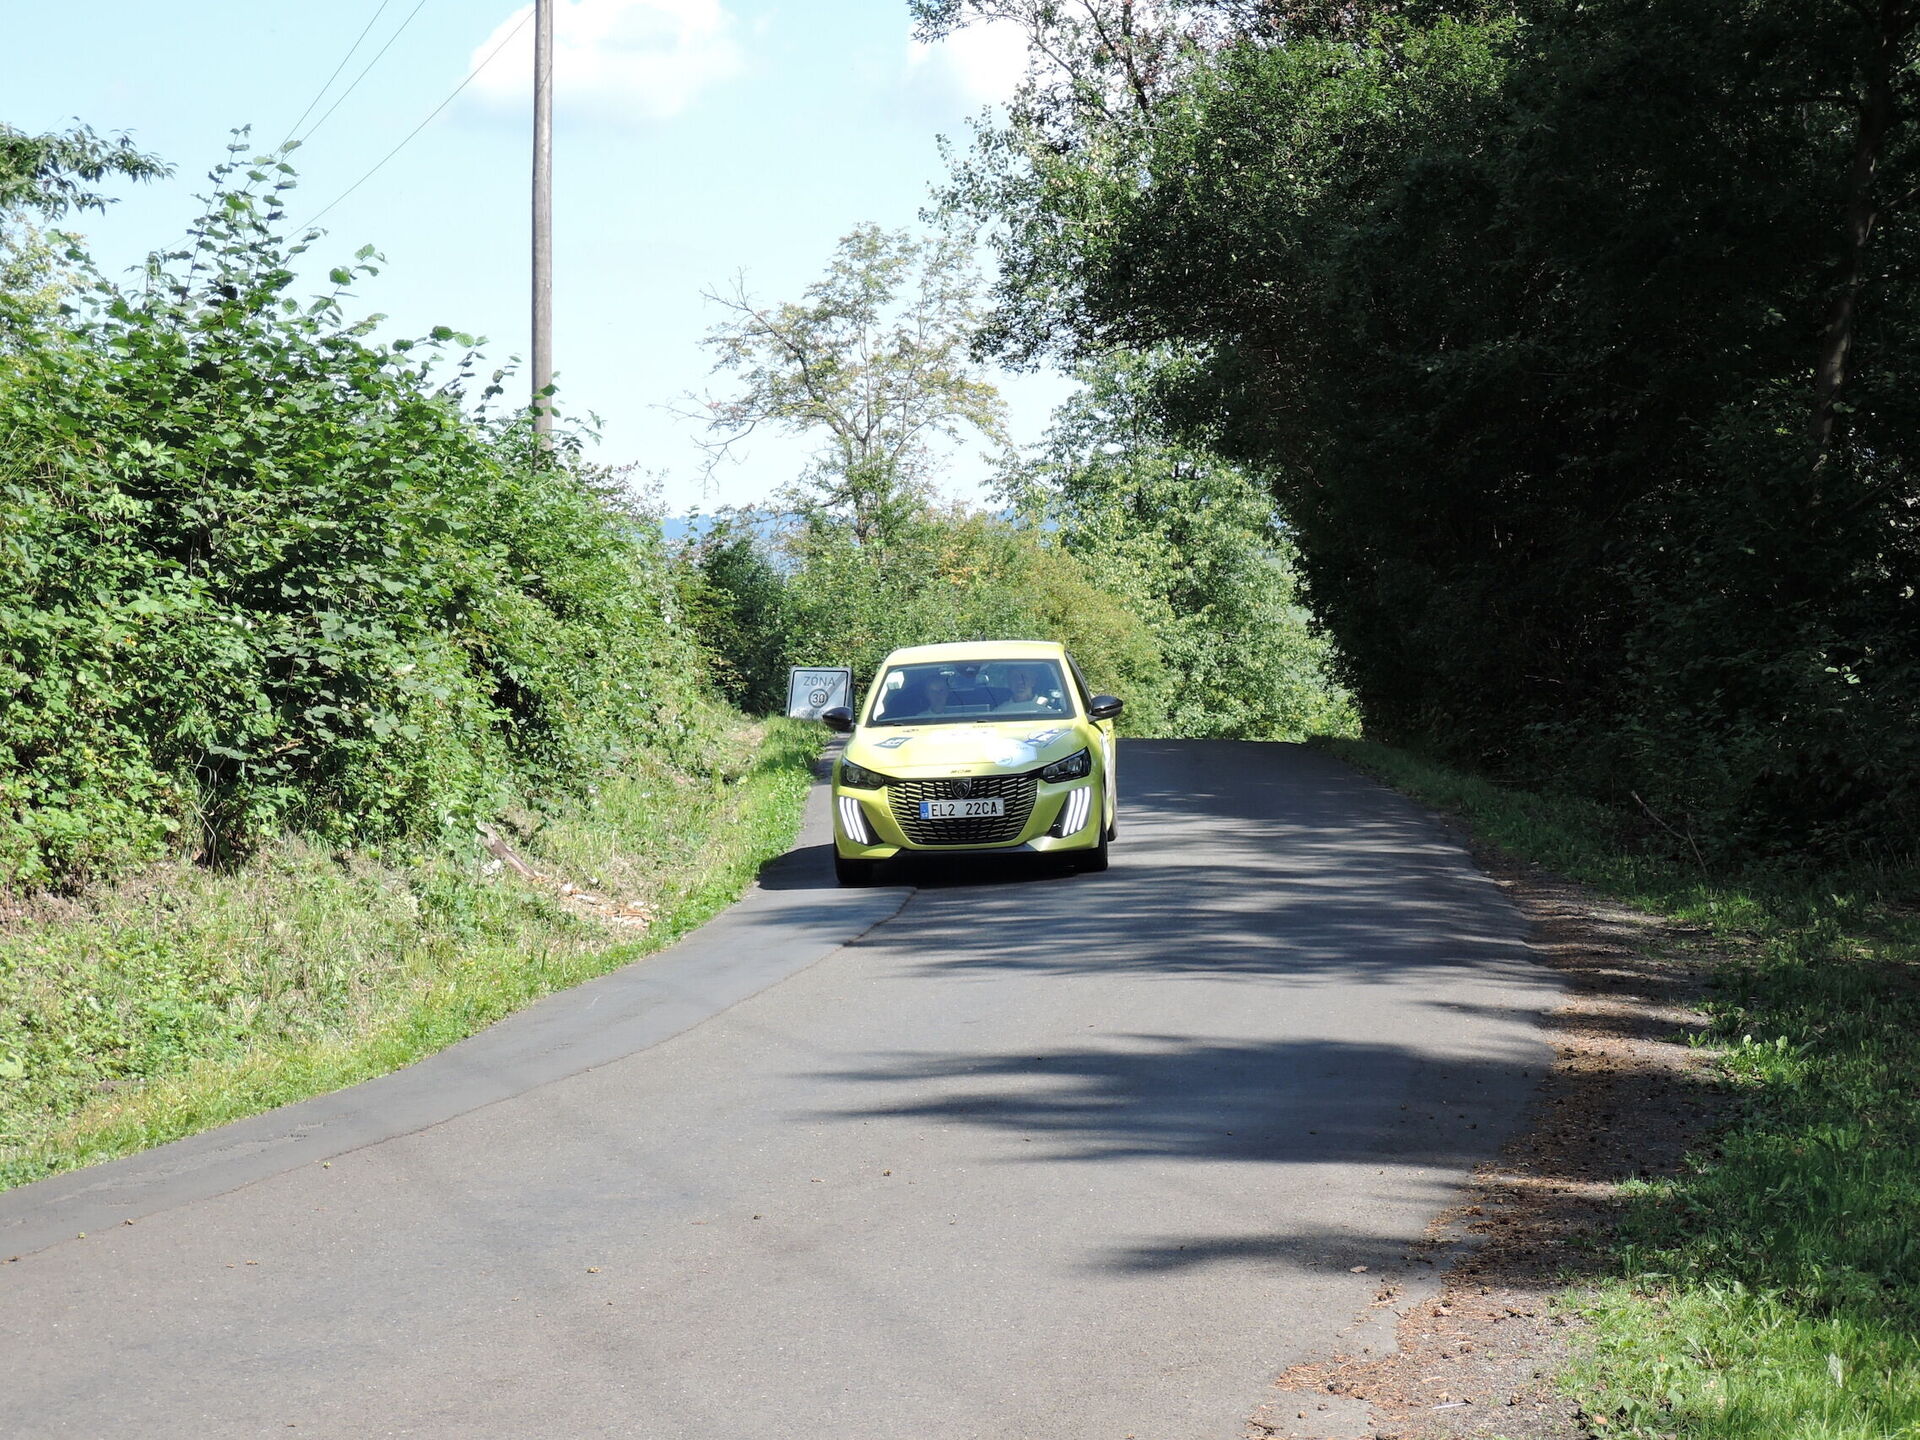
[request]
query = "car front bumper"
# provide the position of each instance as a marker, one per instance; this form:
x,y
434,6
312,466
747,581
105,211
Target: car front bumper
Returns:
x,y
875,824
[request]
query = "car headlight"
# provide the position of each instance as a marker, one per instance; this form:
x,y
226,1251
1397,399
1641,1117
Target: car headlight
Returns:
x,y
861,778
1072,768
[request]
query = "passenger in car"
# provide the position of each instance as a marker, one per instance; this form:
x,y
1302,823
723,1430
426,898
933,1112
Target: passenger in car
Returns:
x,y
1020,693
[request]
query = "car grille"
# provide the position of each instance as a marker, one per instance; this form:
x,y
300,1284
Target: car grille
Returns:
x,y
1016,790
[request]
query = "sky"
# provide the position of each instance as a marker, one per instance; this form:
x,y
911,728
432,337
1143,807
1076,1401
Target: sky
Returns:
x,y
694,140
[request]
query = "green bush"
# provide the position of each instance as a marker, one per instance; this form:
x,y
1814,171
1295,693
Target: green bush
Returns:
x,y
1194,545
260,571
814,593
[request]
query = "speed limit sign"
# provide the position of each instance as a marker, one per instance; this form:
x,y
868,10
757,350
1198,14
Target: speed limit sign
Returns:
x,y
812,689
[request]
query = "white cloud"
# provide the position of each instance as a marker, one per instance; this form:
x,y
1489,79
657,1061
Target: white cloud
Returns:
x,y
983,64
615,59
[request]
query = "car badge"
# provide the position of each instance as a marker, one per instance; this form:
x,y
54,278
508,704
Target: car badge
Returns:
x,y
963,788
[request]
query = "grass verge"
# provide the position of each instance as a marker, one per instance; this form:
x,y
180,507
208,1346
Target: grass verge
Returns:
x,y
184,998
1773,1287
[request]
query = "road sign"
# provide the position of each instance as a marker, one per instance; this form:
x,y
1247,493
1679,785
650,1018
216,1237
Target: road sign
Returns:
x,y
813,688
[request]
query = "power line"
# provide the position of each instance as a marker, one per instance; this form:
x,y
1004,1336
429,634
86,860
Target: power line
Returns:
x,y
505,41
294,128
364,73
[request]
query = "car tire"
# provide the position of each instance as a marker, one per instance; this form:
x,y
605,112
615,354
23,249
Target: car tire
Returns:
x,y
853,873
1092,862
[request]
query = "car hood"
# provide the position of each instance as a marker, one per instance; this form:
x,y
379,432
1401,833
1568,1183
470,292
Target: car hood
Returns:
x,y
920,751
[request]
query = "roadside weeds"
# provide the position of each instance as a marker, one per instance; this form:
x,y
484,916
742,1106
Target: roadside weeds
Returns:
x,y
1742,1270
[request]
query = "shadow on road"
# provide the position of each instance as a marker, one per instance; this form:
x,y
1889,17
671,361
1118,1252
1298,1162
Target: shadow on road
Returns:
x,y
1234,868
1318,891
808,867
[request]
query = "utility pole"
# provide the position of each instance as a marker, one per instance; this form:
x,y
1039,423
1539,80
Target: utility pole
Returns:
x,y
542,214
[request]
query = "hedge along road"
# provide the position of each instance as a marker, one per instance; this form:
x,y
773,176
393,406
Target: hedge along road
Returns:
x,y
1001,1156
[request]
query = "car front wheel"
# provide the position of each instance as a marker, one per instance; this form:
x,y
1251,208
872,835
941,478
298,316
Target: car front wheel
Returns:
x,y
853,873
1092,861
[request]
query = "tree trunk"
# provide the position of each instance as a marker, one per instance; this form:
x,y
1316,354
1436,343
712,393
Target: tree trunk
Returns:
x,y
1878,115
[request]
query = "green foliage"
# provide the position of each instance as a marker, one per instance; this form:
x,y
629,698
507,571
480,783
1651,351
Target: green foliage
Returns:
x,y
742,614
1194,545
36,278
260,572
1575,342
50,174
1158,565
819,595
1773,1287
863,559
186,997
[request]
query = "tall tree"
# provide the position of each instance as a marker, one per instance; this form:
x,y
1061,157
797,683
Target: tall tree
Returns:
x,y
1196,547
874,362
1527,311
1880,113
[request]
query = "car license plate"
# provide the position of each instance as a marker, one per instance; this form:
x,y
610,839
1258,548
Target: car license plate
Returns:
x,y
961,809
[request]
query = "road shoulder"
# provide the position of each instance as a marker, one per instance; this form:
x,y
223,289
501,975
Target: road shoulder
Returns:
x,y
1626,1097
793,916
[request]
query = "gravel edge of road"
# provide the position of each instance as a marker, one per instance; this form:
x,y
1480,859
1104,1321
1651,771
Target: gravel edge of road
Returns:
x,y
1627,1096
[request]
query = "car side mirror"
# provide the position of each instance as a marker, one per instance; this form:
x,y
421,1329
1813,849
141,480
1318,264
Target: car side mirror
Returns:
x,y
1104,707
840,719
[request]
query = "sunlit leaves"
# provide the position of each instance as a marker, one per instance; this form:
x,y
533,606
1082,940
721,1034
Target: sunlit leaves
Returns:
x,y
262,571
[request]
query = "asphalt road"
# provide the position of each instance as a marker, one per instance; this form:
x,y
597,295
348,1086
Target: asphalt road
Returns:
x,y
997,1155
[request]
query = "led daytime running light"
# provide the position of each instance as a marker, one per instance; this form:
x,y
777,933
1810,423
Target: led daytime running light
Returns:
x,y
1074,817
853,821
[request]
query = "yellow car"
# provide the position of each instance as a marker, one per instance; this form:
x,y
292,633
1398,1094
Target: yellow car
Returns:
x,y
988,747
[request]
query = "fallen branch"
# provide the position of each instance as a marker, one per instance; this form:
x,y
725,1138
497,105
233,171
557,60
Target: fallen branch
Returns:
x,y
1699,859
503,852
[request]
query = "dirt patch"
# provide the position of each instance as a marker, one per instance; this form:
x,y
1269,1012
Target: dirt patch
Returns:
x,y
1627,1097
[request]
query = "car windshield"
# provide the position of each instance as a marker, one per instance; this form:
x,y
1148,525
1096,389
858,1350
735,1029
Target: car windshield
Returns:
x,y
957,690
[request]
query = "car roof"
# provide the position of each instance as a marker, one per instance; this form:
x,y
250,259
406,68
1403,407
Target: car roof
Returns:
x,y
979,650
